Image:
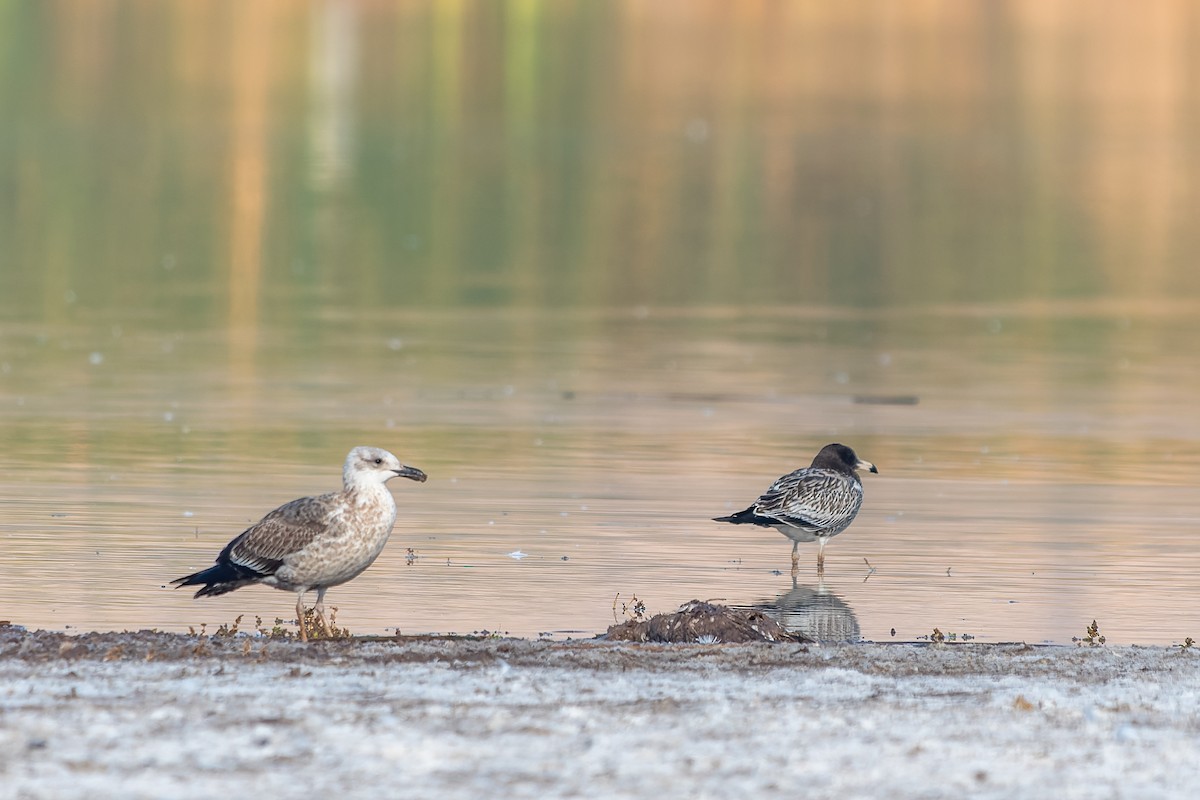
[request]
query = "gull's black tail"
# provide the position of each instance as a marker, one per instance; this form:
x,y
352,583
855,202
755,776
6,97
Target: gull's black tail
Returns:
x,y
747,517
224,576
739,518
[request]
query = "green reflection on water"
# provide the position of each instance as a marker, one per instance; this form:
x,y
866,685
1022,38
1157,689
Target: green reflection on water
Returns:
x,y
245,211
222,164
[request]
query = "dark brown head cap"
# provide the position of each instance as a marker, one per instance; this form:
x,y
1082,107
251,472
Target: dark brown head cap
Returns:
x,y
841,458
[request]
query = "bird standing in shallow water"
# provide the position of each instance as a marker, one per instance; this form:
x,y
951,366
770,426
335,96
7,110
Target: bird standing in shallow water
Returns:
x,y
813,503
314,542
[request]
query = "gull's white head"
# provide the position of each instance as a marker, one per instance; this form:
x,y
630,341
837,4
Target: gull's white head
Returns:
x,y
367,466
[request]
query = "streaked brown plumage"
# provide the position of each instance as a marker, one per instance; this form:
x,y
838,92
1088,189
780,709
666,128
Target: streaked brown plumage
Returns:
x,y
813,503
314,542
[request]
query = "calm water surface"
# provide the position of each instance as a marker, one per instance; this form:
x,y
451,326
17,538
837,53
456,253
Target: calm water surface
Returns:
x,y
1020,495
604,271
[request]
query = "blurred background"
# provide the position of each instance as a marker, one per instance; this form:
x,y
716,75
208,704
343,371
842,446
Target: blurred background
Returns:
x,y
605,270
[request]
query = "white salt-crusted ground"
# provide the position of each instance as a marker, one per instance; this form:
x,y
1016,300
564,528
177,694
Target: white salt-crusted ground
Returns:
x,y
453,718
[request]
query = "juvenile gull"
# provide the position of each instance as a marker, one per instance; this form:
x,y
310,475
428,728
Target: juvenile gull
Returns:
x,y
813,503
314,542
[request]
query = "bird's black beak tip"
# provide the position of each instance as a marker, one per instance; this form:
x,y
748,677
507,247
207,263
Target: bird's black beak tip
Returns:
x,y
412,473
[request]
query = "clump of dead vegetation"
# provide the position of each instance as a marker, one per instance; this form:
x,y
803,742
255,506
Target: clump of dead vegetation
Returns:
x,y
281,629
702,623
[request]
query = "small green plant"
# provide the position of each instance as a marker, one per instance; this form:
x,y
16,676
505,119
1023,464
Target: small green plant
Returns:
x,y
1093,637
277,631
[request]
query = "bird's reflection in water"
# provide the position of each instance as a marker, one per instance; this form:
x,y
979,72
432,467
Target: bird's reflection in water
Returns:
x,y
813,611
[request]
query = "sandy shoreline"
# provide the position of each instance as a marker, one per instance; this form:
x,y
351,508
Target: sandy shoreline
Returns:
x,y
157,715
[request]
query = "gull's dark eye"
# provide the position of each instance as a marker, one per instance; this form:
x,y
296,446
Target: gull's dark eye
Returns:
x,y
379,461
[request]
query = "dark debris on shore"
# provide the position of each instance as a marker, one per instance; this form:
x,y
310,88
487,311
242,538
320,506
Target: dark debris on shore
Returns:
x,y
697,622
469,652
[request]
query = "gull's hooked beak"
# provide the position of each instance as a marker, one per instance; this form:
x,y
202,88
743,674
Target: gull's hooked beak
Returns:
x,y
867,465
412,473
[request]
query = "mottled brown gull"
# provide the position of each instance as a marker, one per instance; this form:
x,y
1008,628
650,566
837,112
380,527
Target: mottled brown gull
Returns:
x,y
811,504
314,542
